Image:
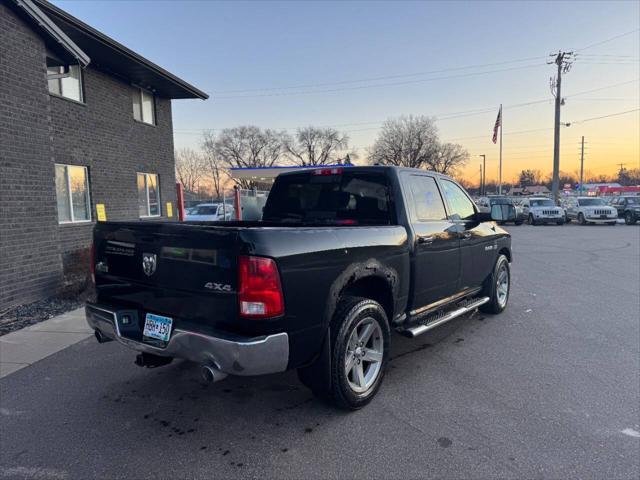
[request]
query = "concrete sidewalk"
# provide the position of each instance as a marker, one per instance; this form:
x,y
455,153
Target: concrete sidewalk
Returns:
x,y
22,348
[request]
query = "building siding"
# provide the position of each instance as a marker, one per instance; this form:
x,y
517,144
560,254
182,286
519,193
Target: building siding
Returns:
x,y
38,256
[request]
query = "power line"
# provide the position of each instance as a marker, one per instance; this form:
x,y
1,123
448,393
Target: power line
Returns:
x,y
360,87
443,116
607,40
605,116
374,79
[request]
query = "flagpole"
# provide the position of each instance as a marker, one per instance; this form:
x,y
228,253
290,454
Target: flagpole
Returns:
x,y
500,168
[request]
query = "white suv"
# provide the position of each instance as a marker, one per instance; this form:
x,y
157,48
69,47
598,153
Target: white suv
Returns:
x,y
541,210
590,210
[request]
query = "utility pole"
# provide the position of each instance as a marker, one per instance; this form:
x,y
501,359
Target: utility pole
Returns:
x,y
480,187
563,62
483,175
581,165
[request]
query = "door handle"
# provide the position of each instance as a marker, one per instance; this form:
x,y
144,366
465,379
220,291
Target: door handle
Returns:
x,y
466,235
425,240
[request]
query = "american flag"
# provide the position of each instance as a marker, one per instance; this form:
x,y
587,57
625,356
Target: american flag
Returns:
x,y
497,125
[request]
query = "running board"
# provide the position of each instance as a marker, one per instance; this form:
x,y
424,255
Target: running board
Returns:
x,y
420,329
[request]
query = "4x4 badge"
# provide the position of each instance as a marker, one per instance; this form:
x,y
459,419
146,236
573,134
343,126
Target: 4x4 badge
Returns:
x,y
217,286
149,263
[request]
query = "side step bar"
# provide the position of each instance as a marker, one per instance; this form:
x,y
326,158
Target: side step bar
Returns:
x,y
420,329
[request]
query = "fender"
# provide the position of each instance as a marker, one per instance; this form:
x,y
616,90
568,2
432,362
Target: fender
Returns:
x,y
355,272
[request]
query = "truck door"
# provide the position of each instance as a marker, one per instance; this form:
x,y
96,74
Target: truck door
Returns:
x,y
478,241
436,253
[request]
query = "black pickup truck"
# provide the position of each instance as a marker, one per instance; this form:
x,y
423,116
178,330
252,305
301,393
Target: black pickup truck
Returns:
x,y
341,257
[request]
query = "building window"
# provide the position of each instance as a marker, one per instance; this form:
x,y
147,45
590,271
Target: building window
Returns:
x,y
72,194
64,80
144,109
148,195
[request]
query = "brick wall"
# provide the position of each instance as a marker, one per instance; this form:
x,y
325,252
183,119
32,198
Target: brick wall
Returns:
x,y
30,262
37,130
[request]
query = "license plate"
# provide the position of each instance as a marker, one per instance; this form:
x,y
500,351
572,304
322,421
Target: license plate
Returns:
x,y
603,216
158,327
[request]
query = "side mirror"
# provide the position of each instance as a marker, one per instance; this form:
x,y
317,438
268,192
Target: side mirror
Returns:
x,y
503,213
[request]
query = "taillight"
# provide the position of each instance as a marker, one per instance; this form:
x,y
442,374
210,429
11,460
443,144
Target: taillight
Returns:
x,y
259,292
92,262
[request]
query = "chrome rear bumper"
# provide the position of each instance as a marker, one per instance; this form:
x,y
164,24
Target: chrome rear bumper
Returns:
x,y
245,356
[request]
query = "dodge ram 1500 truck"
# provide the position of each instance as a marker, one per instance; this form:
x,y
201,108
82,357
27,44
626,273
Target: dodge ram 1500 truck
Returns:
x,y
341,257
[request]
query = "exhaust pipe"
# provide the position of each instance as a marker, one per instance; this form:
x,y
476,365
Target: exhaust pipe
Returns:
x,y
100,337
212,374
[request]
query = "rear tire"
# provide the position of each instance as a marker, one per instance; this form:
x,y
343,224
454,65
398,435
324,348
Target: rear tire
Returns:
x,y
518,222
360,336
498,287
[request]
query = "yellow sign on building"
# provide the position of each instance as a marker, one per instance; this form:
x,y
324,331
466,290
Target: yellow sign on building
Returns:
x,y
169,209
101,212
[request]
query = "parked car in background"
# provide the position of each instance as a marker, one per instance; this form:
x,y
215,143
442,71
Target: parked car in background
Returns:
x,y
542,210
627,208
211,212
590,210
485,204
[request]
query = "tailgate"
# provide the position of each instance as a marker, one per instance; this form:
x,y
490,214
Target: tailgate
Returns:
x,y
186,272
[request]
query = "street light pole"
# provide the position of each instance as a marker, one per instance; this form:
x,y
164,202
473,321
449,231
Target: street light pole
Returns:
x,y
484,175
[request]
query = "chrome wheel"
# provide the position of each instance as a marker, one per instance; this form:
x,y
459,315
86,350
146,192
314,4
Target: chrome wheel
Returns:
x,y
363,358
502,285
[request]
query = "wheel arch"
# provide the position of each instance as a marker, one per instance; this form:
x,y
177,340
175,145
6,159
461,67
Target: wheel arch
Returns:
x,y
375,288
506,252
369,279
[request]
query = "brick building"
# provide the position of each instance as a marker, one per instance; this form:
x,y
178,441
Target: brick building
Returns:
x,y
85,132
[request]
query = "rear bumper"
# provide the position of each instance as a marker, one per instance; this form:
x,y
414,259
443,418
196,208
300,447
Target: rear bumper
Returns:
x,y
234,356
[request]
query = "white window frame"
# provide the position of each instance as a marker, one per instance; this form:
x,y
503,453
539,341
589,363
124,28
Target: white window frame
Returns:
x,y
59,80
139,92
146,188
70,195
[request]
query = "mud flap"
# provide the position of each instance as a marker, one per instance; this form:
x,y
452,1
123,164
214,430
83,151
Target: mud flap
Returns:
x,y
317,376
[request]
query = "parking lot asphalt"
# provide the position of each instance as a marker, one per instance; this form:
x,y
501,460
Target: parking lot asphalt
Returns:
x,y
548,389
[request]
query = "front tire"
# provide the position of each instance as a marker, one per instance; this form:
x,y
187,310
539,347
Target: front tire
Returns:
x,y
531,220
613,224
359,351
560,222
581,219
498,287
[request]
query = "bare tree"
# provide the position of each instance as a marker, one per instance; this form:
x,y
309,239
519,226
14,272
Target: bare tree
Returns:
x,y
407,141
317,146
413,142
528,178
249,147
448,158
214,165
190,168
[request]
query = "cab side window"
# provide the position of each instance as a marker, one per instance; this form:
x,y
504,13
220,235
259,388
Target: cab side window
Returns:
x,y
459,203
427,201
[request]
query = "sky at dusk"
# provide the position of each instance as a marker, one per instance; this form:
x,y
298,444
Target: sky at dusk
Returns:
x,y
351,65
